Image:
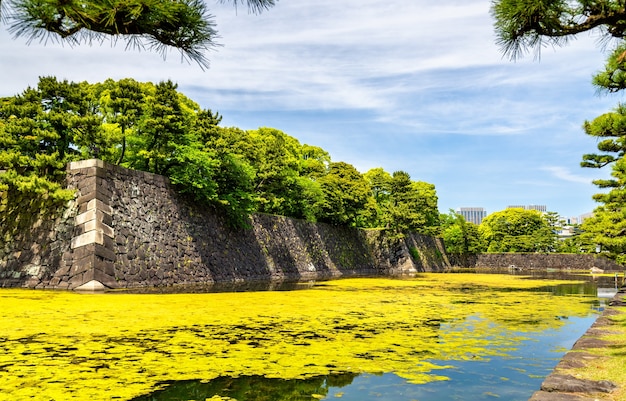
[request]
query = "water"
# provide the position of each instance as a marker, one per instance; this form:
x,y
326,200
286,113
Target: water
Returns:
x,y
510,378
514,377
434,337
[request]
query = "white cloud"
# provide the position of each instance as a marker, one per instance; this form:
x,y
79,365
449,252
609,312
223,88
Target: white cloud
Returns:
x,y
410,84
565,174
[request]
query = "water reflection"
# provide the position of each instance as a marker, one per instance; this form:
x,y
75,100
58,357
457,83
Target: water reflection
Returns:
x,y
252,286
514,376
455,335
256,388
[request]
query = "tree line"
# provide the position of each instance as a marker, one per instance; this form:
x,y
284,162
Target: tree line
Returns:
x,y
156,128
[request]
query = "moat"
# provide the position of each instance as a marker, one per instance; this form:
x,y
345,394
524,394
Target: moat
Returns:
x,y
431,337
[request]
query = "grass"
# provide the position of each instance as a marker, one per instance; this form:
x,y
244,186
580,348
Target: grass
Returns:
x,y
612,362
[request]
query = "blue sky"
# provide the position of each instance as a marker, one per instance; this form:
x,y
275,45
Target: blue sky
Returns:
x,y
411,85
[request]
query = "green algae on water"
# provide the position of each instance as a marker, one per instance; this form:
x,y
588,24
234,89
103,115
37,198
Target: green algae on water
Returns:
x,y
63,346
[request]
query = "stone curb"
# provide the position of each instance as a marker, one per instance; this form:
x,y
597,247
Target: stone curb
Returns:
x,y
561,387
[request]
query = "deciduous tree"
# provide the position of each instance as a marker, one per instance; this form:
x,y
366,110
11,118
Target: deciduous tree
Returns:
x,y
517,230
345,193
460,236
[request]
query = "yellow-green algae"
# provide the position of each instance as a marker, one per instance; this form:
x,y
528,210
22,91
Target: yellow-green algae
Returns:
x,y
61,345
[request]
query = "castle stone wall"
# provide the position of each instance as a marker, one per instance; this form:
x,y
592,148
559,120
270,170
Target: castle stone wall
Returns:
x,y
130,228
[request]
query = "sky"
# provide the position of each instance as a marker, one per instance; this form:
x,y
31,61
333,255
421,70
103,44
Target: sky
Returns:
x,y
412,85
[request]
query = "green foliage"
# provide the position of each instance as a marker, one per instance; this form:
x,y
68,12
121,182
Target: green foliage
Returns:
x,y
185,25
161,129
613,77
380,183
40,131
314,161
459,235
155,128
517,230
610,129
607,227
276,159
534,24
412,205
530,24
123,104
400,204
235,190
415,253
345,191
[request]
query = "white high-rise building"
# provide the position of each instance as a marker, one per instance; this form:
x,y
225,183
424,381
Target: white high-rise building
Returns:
x,y
472,214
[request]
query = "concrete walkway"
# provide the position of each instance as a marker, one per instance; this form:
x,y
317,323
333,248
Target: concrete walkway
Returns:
x,y
561,386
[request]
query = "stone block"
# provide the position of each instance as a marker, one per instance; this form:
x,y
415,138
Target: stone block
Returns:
x,y
83,164
86,182
63,285
91,237
82,218
82,265
88,189
75,281
83,251
63,271
103,194
97,204
104,252
109,243
105,266
95,225
84,198
94,275
93,285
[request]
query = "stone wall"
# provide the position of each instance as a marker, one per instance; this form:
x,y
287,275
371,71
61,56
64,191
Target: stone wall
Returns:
x,y
132,229
528,261
35,240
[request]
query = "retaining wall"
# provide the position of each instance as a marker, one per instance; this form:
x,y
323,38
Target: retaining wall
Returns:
x,y
529,261
132,229
129,228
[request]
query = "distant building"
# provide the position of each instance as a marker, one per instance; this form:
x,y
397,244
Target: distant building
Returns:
x,y
541,208
472,214
585,216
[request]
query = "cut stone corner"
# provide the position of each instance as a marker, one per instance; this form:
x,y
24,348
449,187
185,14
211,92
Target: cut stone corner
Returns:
x,y
91,286
86,164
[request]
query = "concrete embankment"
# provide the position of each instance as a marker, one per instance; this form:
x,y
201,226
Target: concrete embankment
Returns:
x,y
573,378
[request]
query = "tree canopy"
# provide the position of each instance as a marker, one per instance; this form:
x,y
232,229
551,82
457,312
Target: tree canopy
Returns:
x,y
155,128
460,236
185,25
517,230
